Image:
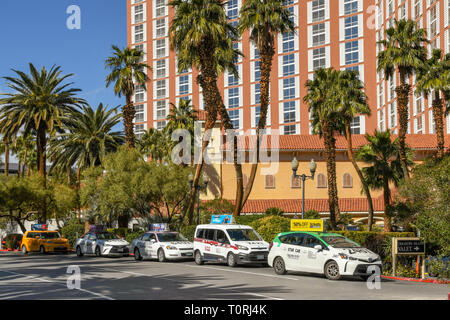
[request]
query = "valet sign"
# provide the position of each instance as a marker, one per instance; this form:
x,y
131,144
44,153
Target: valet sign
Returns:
x,y
408,247
307,225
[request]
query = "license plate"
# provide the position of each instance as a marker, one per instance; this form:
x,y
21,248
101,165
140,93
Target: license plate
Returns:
x,y
189,253
260,257
119,250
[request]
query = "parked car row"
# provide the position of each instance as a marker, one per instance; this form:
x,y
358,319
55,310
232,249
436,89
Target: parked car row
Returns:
x,y
330,254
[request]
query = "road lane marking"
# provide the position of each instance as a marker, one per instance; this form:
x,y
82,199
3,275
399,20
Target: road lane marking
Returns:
x,y
246,272
58,283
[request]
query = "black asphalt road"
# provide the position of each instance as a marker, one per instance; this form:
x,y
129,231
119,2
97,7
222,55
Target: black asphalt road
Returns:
x,y
37,276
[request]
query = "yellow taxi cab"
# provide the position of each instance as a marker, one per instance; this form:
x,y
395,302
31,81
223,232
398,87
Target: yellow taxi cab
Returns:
x,y
41,240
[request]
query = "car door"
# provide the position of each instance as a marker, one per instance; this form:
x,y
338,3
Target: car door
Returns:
x,y
90,243
32,242
221,248
293,253
209,245
314,259
152,245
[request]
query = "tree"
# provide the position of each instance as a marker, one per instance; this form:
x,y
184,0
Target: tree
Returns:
x,y
154,144
4,149
39,102
24,147
203,39
352,102
383,156
434,77
403,51
325,118
265,19
126,66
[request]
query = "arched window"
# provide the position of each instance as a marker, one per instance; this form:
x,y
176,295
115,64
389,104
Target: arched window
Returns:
x,y
296,182
270,182
347,181
321,181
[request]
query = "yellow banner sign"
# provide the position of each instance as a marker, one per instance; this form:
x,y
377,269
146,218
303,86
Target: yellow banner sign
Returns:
x,y
307,225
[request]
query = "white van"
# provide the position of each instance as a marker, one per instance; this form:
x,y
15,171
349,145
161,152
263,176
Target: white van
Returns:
x,y
231,243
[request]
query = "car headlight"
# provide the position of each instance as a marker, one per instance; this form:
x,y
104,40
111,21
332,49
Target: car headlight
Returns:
x,y
242,248
171,248
346,257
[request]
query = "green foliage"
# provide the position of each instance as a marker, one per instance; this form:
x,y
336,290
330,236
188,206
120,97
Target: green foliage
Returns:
x,y
72,230
188,232
438,268
312,214
248,219
130,236
274,211
269,226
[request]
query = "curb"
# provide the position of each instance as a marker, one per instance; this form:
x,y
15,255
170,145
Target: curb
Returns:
x,y
417,280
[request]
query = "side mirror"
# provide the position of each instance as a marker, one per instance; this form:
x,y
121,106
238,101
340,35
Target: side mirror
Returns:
x,y
318,247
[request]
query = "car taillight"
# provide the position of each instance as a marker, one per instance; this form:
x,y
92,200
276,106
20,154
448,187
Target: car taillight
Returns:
x,y
270,246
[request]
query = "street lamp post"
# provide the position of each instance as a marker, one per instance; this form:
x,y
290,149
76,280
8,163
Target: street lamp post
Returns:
x,y
312,168
199,188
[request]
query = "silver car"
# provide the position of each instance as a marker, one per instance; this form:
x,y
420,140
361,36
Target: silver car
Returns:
x,y
102,244
163,246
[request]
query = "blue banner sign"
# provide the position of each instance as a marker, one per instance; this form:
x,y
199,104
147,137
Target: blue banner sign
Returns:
x,y
222,219
159,227
38,227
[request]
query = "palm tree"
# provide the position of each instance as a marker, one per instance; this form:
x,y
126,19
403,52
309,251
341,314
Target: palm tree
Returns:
x,y
154,143
325,117
265,19
353,101
203,39
39,102
181,117
434,77
125,65
4,149
383,156
403,51
87,139
24,146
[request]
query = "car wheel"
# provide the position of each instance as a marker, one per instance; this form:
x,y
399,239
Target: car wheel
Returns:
x,y
279,266
42,250
79,252
365,278
24,250
97,252
137,255
161,256
198,258
332,270
231,260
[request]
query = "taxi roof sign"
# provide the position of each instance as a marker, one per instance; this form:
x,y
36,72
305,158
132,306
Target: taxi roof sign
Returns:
x,y
39,227
307,225
222,219
159,227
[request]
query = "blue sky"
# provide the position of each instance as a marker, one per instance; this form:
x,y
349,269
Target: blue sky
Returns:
x,y
36,31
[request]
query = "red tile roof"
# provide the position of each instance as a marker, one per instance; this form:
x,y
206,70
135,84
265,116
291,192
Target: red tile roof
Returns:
x,y
314,142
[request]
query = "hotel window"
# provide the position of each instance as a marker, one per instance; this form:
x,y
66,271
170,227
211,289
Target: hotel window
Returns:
x,y
418,125
433,22
403,13
290,129
391,88
139,116
288,2
160,69
351,52
288,42
234,117
257,115
381,95
233,97
288,88
160,48
183,84
232,9
288,65
140,47
350,6
347,181
161,125
160,8
321,181
139,33
381,126
232,80
417,8
257,70
296,182
292,16
355,125
318,34
390,7
257,93
139,93
160,28
432,126
139,130
257,52
270,182
318,10
161,109
392,115
351,27
319,58
289,112
139,13
419,104
160,89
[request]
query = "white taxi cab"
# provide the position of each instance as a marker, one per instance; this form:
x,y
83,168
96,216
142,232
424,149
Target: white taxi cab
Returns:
x,y
224,241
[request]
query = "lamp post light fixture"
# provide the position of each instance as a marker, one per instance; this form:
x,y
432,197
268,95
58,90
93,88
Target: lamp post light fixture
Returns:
x,y
199,188
312,169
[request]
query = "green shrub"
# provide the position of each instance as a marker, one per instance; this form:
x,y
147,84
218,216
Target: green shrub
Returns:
x,y
130,236
188,232
269,227
438,268
312,214
274,211
248,219
72,231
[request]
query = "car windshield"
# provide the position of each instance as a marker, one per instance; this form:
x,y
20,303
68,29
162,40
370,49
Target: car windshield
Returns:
x,y
50,235
106,236
340,242
243,235
171,236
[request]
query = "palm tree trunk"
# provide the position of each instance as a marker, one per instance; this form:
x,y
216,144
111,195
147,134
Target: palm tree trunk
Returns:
x,y
41,146
266,68
402,109
330,146
25,156
6,143
78,193
438,120
387,205
360,175
128,119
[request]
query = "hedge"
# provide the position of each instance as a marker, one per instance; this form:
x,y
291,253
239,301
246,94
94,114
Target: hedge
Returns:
x,y
72,231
